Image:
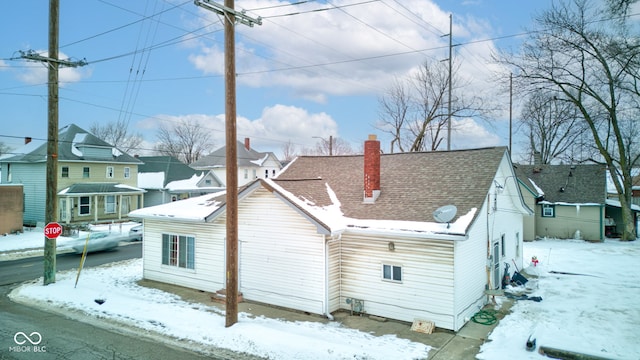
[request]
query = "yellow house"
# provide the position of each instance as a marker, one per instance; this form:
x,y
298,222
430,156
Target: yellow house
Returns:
x,y
96,181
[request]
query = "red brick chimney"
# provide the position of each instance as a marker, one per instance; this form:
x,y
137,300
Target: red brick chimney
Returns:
x,y
27,140
371,169
247,143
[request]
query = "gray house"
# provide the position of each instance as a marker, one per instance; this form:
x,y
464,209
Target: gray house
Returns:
x,y
569,200
167,179
371,233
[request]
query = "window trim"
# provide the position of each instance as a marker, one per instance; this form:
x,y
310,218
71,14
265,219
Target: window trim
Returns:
x,y
178,244
551,208
127,172
110,172
63,173
107,203
81,205
86,172
392,273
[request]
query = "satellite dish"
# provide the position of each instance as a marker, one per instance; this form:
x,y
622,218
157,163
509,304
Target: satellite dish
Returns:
x,y
445,213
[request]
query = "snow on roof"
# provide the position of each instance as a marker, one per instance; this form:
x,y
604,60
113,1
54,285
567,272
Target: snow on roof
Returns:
x,y
78,138
192,209
616,203
186,184
260,161
123,186
332,216
537,188
151,180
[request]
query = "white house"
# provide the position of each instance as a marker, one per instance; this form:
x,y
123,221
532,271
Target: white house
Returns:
x,y
355,233
252,164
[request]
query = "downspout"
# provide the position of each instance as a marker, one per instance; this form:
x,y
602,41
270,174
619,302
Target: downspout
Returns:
x,y
326,274
602,222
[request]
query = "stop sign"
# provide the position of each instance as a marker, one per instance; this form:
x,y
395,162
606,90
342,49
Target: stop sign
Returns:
x,y
52,230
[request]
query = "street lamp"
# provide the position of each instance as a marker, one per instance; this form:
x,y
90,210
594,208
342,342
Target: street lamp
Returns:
x,y
330,143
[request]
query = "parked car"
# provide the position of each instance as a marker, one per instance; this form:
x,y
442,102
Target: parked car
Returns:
x,y
98,241
135,234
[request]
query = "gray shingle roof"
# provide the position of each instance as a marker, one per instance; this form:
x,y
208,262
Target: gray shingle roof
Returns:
x,y
218,158
99,188
413,185
66,137
172,168
575,184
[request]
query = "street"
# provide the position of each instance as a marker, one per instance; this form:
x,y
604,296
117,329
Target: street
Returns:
x,y
30,333
16,271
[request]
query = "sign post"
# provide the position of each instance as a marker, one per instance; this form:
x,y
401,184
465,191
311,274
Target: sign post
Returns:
x,y
52,230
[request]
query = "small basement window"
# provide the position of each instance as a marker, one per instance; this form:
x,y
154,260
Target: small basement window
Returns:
x,y
548,210
392,272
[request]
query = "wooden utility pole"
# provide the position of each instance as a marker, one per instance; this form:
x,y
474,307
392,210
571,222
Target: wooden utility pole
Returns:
x,y
51,207
450,70
230,18
232,166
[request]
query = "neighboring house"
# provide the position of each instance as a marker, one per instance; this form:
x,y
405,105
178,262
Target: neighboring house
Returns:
x,y
614,226
356,233
569,201
11,208
167,179
96,181
251,164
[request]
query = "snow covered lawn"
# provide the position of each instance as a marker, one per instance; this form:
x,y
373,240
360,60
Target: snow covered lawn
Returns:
x,y
596,312
589,291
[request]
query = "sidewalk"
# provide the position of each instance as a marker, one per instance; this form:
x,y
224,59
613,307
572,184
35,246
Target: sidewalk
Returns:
x,y
445,344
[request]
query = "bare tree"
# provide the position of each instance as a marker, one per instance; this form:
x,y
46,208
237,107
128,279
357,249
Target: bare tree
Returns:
x,y
288,151
592,61
338,146
394,107
415,111
553,125
117,134
186,140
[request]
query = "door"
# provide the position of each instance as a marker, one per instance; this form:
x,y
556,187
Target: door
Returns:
x,y
496,265
64,214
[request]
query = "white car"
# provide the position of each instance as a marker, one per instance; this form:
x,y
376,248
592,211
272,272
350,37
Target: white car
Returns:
x,y
98,241
135,234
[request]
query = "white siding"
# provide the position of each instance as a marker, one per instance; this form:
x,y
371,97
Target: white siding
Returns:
x,y
281,255
426,291
335,270
471,272
209,271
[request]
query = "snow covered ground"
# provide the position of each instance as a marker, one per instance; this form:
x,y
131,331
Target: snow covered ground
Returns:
x,y
589,305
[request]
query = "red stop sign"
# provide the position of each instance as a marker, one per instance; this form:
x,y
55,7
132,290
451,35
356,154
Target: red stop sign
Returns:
x,y
52,230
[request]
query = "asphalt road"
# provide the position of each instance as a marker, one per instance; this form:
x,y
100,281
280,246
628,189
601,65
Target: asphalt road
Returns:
x,y
17,271
30,333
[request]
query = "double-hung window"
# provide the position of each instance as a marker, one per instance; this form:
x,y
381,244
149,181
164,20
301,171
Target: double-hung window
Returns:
x,y
392,272
178,251
84,208
109,172
110,204
65,172
127,172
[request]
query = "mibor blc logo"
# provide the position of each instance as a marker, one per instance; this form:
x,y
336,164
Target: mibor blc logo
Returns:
x,y
27,343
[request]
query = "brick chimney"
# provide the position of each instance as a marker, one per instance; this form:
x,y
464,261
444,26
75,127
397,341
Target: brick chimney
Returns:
x,y
371,169
27,140
247,143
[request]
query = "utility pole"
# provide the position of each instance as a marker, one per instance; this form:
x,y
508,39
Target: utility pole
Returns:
x,y
51,206
53,63
449,105
230,18
510,111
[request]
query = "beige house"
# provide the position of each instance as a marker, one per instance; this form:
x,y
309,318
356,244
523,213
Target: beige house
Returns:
x,y
568,200
96,181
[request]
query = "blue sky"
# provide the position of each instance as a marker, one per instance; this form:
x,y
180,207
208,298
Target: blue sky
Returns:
x,y
301,74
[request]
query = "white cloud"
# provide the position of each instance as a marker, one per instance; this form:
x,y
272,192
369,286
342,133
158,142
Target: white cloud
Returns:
x,y
276,126
473,135
38,73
